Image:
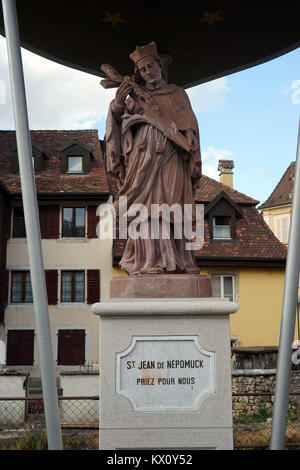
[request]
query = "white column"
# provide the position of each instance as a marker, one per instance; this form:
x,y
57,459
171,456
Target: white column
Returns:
x,y
32,225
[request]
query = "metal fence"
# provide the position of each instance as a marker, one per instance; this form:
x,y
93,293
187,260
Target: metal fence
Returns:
x,y
22,422
252,418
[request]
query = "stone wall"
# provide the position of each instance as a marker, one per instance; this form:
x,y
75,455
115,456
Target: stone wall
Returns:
x,y
258,382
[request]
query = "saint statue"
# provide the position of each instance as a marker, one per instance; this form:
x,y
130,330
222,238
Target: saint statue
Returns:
x,y
153,151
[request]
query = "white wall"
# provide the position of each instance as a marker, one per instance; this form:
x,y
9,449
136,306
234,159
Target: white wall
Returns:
x,y
12,412
79,411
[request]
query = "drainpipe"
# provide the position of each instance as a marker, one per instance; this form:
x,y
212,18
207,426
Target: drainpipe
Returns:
x,y
32,226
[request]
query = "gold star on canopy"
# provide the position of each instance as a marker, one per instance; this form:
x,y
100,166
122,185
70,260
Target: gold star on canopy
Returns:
x,y
113,18
210,18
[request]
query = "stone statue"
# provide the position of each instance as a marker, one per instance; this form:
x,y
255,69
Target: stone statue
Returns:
x,y
153,151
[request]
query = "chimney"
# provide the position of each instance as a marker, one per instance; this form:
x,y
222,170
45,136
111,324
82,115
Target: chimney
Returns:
x,y
226,174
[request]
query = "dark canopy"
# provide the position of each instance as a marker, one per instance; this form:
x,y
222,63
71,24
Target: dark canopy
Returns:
x,y
203,40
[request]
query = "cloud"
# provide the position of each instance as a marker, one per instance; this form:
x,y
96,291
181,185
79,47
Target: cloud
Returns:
x,y
58,97
295,89
210,158
209,96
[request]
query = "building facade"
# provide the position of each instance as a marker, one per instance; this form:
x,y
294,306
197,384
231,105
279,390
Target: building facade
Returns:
x,y
71,184
276,210
241,255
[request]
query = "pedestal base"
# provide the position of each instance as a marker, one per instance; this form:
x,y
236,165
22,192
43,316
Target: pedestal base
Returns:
x,y
165,373
161,286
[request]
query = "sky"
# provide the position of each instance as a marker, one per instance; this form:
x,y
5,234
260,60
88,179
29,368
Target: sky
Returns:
x,y
250,117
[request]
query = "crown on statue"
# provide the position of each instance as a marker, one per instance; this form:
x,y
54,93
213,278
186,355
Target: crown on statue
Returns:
x,y
144,51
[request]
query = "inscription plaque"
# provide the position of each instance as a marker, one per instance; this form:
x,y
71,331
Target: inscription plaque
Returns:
x,y
165,373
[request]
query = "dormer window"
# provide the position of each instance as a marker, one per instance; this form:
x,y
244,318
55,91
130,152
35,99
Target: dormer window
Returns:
x,y
221,227
75,158
38,156
222,214
75,164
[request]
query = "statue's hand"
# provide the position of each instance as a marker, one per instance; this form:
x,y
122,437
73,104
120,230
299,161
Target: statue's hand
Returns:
x,y
122,92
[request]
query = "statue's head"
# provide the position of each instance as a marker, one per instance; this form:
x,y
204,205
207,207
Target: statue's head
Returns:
x,y
146,57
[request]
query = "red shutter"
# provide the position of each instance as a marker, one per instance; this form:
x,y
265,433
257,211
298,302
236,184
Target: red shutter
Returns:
x,y
71,347
51,283
5,287
20,347
64,356
43,220
49,221
93,220
53,222
78,347
93,286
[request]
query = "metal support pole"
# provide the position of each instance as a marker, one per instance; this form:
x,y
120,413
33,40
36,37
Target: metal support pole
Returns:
x,y
32,226
288,318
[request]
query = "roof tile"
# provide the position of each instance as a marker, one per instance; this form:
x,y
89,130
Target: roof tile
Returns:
x,y
282,192
51,180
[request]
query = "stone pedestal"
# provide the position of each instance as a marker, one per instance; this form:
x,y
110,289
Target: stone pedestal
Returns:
x,y
165,373
160,286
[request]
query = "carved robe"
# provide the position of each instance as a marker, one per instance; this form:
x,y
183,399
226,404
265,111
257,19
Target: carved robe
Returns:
x,y
152,169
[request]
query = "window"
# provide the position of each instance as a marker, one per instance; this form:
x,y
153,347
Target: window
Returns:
x,y
75,164
72,286
38,157
73,223
282,227
19,230
21,291
71,347
20,347
75,158
221,227
223,286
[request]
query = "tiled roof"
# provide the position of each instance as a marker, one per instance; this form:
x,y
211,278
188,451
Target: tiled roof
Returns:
x,y
206,190
282,192
50,179
254,240
209,188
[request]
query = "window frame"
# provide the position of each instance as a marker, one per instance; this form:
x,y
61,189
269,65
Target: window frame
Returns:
x,y
73,230
76,172
73,285
221,276
23,287
220,225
